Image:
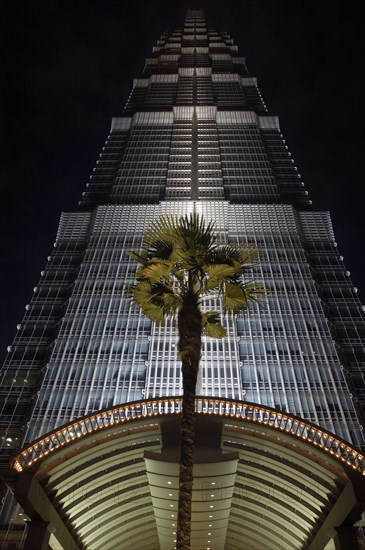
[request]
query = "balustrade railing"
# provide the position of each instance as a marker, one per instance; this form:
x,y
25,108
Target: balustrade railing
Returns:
x,y
239,410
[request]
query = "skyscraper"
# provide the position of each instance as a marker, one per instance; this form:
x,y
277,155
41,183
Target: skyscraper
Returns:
x,y
195,135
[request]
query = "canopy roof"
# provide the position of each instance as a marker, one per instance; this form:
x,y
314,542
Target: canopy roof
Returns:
x,y
262,479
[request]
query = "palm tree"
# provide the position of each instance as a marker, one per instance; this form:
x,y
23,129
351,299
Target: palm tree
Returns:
x,y
181,266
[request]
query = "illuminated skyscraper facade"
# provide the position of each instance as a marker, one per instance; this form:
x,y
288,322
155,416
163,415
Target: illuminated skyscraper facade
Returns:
x,y
195,135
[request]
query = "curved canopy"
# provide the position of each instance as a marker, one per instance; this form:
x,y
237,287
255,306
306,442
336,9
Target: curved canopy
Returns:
x,y
262,479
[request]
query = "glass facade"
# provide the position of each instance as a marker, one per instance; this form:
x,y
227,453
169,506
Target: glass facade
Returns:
x,y
195,135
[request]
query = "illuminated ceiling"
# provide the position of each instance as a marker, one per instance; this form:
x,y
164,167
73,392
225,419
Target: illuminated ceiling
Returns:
x,y
262,479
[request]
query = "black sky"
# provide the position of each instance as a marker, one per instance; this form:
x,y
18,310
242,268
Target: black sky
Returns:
x,y
69,67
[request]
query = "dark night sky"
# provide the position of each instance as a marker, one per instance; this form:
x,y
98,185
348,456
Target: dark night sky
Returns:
x,y
69,67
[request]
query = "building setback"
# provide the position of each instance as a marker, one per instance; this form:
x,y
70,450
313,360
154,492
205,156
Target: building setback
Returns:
x,y
195,135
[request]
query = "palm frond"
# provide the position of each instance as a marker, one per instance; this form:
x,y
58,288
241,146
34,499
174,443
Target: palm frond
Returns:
x,y
172,302
237,295
195,233
160,249
140,257
212,326
162,229
154,270
234,297
245,254
155,313
254,291
217,273
157,300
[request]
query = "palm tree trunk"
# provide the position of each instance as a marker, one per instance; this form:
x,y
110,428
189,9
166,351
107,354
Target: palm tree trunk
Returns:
x,y
190,332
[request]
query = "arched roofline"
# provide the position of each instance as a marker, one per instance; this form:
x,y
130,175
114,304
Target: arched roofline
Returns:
x,y
254,413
